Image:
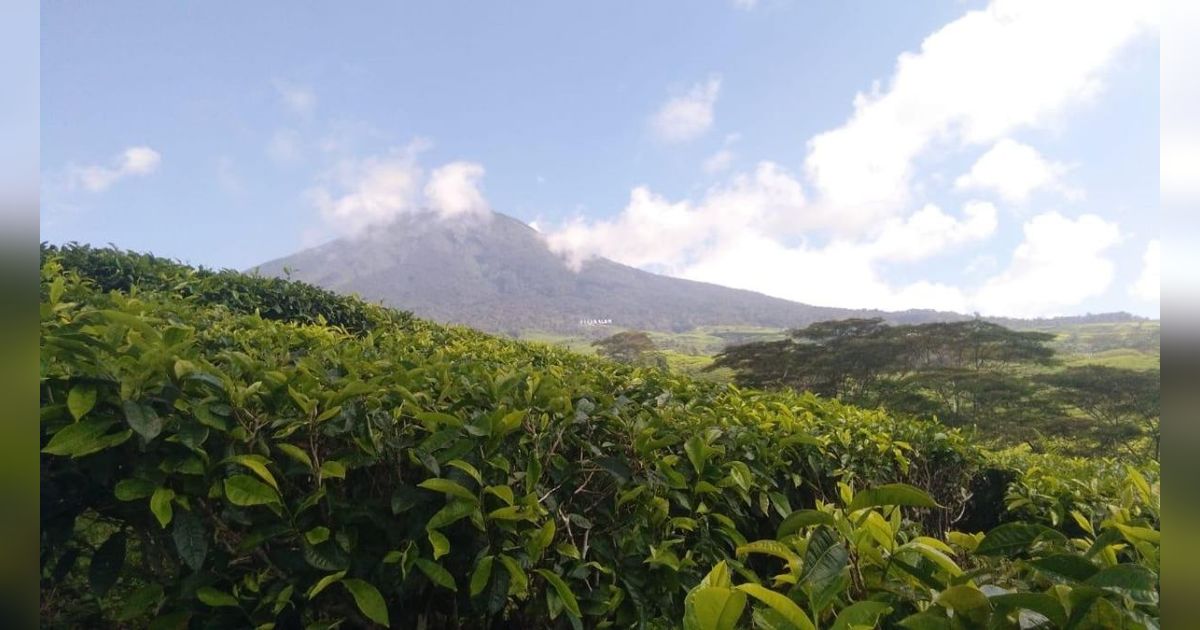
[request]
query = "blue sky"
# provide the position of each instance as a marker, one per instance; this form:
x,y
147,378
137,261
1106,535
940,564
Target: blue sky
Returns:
x,y
997,157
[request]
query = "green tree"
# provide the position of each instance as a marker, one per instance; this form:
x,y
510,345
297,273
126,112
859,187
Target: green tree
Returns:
x,y
632,346
1122,404
968,372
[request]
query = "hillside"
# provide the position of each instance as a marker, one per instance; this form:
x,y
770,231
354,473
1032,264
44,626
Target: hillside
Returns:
x,y
218,452
497,274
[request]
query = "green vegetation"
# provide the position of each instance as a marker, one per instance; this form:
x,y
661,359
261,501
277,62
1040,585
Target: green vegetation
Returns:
x,y
291,458
1007,385
630,347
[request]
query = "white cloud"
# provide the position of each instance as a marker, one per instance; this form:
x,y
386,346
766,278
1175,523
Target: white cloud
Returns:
x,y
733,235
371,191
132,162
1013,171
1014,65
973,83
719,161
359,193
453,190
745,5
298,99
1060,263
929,231
723,158
688,116
1149,282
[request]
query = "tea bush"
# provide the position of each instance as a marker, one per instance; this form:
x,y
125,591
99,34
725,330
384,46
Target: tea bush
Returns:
x,y
213,464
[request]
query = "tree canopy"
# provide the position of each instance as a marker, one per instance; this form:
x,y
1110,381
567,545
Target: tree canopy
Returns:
x,y
1006,383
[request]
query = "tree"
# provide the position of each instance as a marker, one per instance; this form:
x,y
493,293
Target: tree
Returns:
x,y
968,372
632,346
1122,404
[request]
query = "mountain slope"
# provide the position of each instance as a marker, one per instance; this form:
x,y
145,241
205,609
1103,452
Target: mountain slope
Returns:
x,y
497,274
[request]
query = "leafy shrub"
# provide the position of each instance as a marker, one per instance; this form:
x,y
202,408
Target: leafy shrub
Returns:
x,y
209,466
273,298
861,564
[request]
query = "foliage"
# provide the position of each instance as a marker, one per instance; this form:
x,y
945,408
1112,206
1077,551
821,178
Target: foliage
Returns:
x,y
1122,404
272,298
862,564
970,373
630,346
208,466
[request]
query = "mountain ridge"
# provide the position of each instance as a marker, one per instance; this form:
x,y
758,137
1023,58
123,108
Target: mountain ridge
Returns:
x,y
496,273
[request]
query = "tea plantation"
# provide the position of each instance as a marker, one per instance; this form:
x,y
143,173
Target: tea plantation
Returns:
x,y
221,450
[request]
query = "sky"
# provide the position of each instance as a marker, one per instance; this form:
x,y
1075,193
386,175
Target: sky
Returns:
x,y
994,157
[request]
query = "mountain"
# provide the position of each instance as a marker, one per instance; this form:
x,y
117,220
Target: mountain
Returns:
x,y
495,273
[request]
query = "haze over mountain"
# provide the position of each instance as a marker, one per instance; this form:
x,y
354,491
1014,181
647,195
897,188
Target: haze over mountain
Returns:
x,y
496,273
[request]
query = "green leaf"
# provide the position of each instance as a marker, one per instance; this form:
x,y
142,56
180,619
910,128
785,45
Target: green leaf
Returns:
x,y
934,555
1067,567
800,519
436,574
928,620
84,438
1135,534
434,420
718,576
966,601
143,419
133,489
441,546
1046,605
295,452
533,472
860,614
368,599
205,415
140,601
505,493
699,452
780,604
512,513
562,590
824,559
1131,580
160,505
324,583
107,563
1012,538
216,598
329,413
453,511
713,608
771,548
1098,612
245,490
519,581
509,423
80,400
333,468
467,468
891,494
317,535
479,577
191,541
258,465
449,487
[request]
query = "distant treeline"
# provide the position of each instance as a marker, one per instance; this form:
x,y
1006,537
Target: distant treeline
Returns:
x,y
1008,384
